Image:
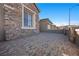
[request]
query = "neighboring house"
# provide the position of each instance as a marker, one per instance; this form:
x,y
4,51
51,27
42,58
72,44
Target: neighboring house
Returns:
x,y
18,20
45,25
54,27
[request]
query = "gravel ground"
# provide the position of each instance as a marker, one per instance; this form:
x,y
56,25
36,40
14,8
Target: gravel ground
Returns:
x,y
44,44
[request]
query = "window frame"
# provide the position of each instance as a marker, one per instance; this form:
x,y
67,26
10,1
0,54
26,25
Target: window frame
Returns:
x,y
33,16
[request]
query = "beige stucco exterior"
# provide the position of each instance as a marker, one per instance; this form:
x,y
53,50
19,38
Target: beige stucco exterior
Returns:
x,y
46,25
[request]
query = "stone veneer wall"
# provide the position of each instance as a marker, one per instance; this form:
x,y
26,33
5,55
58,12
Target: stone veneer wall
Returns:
x,y
13,23
2,34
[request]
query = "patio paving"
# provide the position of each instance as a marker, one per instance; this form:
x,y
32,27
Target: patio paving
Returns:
x,y
43,44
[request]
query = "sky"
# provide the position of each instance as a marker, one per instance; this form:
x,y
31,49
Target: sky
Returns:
x,y
58,13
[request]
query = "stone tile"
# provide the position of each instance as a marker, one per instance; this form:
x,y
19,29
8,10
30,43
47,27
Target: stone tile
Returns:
x,y
44,44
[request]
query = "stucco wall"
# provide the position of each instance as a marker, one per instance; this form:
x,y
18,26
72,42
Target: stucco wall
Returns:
x,y
43,26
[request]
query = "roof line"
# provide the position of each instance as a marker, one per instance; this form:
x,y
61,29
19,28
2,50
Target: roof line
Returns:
x,y
46,19
37,7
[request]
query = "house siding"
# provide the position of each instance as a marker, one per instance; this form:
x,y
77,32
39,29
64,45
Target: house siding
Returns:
x,y
13,22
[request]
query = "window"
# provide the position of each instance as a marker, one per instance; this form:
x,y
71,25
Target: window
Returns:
x,y
28,18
